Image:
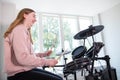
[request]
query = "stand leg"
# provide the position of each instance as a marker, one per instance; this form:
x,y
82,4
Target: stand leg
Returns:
x,y
108,66
75,77
66,78
107,59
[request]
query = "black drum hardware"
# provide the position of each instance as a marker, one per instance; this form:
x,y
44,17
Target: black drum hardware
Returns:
x,y
84,59
79,52
76,64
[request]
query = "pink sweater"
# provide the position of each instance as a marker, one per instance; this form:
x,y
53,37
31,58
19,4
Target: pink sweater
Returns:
x,y
22,58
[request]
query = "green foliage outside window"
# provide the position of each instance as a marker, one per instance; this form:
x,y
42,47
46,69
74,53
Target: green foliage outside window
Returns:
x,y
50,33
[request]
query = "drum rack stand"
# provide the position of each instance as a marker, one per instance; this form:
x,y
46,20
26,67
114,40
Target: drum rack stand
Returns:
x,y
107,59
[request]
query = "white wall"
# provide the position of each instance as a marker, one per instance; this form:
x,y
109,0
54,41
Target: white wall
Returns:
x,y
7,14
111,20
1,66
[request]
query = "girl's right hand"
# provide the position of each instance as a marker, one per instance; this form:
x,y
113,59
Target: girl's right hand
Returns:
x,y
52,62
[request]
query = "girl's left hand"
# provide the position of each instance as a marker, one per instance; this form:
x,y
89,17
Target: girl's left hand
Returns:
x,y
48,52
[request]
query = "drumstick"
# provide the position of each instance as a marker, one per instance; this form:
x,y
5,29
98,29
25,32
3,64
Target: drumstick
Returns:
x,y
53,46
61,55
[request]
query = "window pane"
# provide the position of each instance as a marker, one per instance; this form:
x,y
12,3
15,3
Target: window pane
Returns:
x,y
70,29
51,34
84,23
35,31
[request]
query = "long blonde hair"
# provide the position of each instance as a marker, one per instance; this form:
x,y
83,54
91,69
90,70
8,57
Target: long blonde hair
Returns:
x,y
19,19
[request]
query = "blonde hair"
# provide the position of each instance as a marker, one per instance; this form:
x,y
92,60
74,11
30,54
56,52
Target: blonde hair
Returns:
x,y
19,19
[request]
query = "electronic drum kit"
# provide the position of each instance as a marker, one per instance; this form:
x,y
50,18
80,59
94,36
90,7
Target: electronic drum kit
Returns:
x,y
83,58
